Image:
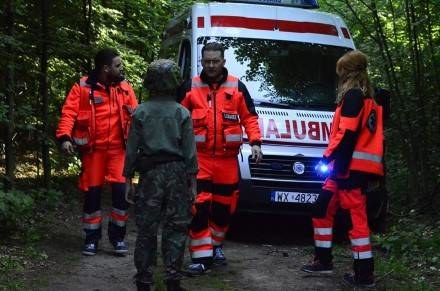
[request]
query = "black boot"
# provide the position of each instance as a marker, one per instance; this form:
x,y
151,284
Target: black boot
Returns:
x,y
174,285
141,286
363,274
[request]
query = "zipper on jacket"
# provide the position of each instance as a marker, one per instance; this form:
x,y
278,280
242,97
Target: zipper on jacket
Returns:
x,y
109,116
215,122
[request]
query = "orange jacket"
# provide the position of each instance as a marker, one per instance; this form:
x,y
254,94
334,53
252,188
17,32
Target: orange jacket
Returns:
x,y
96,117
219,111
357,134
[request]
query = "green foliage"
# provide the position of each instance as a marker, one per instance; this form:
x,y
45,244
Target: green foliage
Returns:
x,y
412,252
19,210
400,38
15,209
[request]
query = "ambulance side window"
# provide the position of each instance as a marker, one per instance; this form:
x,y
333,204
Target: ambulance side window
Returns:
x,y
185,60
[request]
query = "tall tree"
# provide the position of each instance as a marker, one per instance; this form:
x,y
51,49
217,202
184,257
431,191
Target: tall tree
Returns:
x,y
43,92
10,98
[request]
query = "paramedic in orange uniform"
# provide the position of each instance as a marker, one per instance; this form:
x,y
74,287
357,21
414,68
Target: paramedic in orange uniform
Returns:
x,y
354,157
220,106
95,119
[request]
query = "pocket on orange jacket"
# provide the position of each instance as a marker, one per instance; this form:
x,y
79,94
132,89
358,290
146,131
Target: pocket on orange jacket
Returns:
x,y
232,132
200,127
81,129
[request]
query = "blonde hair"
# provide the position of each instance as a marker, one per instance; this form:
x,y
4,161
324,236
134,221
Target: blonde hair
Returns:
x,y
352,71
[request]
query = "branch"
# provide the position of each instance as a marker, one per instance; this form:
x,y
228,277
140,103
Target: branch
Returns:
x,y
347,2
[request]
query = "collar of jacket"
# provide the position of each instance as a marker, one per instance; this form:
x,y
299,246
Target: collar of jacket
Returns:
x,y
204,78
164,97
92,80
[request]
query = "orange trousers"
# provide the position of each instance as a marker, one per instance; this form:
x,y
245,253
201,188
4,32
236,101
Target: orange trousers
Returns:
x,y
99,166
354,201
216,201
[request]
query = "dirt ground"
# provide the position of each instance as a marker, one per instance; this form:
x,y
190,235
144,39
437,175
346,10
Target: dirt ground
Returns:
x,y
264,253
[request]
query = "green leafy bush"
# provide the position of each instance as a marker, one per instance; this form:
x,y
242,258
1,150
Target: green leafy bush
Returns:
x,y
412,251
16,208
20,210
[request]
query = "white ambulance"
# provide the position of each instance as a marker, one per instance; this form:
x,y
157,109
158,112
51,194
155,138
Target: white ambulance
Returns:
x,y
285,53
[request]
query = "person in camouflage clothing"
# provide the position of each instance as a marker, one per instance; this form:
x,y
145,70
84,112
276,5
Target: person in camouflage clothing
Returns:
x,y
161,147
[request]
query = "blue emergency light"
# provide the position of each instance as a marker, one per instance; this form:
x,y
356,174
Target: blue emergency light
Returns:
x,y
323,168
291,3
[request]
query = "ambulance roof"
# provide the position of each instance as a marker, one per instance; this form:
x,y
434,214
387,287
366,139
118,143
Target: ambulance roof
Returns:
x,y
289,3
262,21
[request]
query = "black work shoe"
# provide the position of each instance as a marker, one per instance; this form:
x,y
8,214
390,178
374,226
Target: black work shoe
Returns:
x,y
197,270
219,257
141,286
316,267
120,247
351,280
90,249
174,285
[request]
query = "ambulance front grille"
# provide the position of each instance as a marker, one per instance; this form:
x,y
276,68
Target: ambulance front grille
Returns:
x,y
281,168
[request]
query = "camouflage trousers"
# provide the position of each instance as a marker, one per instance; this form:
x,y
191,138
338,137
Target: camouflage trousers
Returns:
x,y
162,193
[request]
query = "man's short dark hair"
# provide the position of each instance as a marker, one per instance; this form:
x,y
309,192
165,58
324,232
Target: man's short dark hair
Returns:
x,y
105,57
214,46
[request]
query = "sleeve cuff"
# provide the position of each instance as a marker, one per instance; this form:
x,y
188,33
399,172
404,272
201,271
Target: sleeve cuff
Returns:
x,y
64,138
326,159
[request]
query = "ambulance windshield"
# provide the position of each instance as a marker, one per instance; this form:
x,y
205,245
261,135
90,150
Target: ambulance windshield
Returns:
x,y
291,74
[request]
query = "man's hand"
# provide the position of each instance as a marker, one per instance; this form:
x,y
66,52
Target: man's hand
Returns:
x,y
257,154
129,190
192,184
67,147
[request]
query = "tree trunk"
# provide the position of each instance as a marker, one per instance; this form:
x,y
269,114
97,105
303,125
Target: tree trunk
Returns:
x,y
10,151
45,141
87,15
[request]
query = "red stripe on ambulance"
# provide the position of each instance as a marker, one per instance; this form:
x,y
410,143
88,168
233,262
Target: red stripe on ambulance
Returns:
x,y
273,24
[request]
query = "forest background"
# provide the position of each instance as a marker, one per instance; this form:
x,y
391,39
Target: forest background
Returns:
x,y
47,45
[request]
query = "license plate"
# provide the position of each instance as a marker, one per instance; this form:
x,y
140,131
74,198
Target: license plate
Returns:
x,y
293,197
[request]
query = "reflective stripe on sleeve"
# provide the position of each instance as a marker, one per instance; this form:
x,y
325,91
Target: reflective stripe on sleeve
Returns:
x,y
80,141
233,137
230,84
367,156
196,84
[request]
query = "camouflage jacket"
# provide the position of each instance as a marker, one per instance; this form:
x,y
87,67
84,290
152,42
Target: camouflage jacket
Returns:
x,y
161,126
